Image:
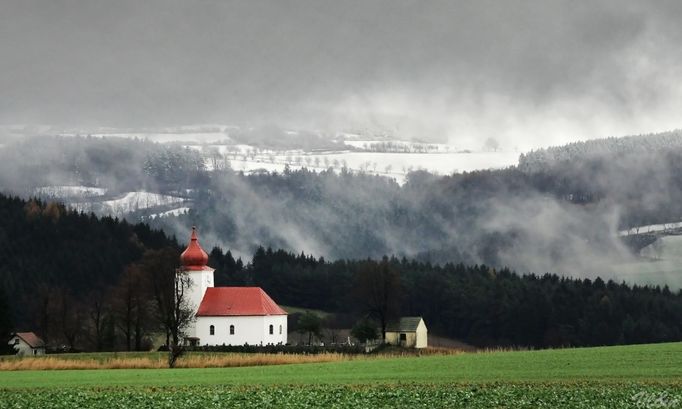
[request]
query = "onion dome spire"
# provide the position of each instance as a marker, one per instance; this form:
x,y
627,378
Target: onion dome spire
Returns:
x,y
194,257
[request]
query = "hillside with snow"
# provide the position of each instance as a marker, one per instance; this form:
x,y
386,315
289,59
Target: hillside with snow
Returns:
x,y
130,202
272,149
612,148
396,165
369,197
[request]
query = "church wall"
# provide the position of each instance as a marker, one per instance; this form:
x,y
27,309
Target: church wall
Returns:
x,y
201,280
277,321
252,330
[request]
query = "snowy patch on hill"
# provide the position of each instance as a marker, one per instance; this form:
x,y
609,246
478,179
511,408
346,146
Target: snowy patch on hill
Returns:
x,y
173,212
60,192
399,146
130,202
614,148
651,228
397,165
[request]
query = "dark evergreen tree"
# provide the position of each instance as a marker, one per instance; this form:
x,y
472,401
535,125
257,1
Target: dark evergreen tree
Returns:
x,y
364,330
311,324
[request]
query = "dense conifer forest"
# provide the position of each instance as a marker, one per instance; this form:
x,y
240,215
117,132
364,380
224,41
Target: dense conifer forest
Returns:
x,y
89,283
478,304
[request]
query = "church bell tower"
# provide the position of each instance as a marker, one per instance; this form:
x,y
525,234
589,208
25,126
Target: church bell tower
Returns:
x,y
195,264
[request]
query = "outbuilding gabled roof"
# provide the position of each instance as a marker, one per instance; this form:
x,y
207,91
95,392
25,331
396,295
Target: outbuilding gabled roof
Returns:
x,y
31,339
231,301
404,324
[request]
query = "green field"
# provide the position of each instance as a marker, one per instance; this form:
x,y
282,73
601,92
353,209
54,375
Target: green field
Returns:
x,y
591,377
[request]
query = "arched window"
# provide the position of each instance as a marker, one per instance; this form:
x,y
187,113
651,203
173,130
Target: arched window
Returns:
x,y
211,330
272,329
231,329
280,330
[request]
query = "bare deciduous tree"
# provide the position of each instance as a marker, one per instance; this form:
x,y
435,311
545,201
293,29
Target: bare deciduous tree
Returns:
x,y
169,285
131,306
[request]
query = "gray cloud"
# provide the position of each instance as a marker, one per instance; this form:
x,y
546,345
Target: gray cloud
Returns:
x,y
529,72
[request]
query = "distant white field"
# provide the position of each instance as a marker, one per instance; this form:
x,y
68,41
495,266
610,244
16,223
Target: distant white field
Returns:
x,y
173,212
651,228
396,145
433,157
130,202
250,166
440,163
392,164
69,191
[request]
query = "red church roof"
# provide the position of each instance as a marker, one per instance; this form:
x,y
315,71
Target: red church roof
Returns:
x,y
225,301
194,257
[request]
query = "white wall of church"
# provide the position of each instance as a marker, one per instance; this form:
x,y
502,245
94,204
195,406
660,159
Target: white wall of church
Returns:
x,y
252,330
201,280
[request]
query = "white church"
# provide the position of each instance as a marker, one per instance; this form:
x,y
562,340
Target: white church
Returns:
x,y
228,315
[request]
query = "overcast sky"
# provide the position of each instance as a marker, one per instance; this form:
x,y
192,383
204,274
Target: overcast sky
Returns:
x,y
530,73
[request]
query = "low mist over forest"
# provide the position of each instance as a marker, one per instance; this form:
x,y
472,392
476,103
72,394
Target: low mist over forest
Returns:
x,y
86,283
559,210
509,171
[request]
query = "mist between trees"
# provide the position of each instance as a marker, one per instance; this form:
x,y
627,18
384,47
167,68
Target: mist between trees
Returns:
x,y
102,284
558,211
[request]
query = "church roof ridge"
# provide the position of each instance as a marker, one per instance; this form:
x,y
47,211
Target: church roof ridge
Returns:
x,y
236,301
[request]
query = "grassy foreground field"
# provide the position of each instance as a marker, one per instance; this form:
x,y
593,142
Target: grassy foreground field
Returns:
x,y
627,377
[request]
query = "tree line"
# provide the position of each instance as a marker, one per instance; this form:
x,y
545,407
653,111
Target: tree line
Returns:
x,y
88,283
476,304
63,274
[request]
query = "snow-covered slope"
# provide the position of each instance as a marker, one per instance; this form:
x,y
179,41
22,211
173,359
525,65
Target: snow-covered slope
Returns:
x,y
608,147
62,192
128,203
391,164
173,212
652,228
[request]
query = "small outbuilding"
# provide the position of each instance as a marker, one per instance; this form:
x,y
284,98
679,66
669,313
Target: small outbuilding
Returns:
x,y
409,332
27,343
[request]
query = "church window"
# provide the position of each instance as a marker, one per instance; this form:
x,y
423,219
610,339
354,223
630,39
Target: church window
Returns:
x,y
280,330
231,329
272,329
211,330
